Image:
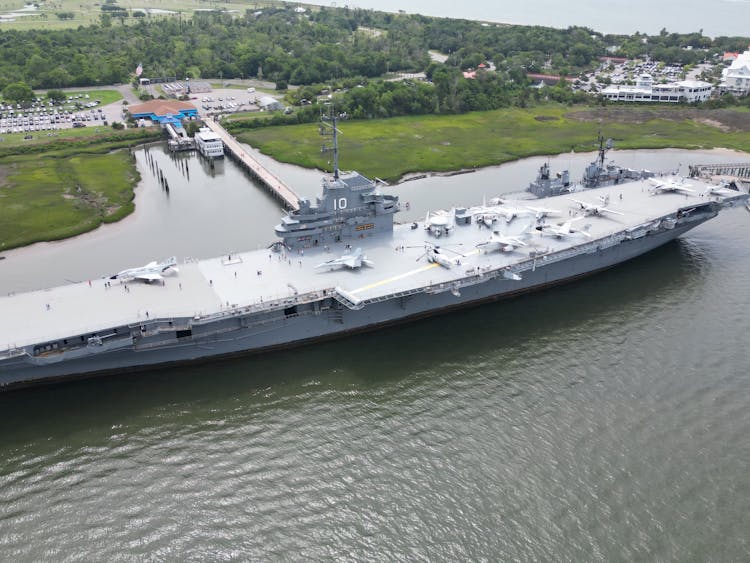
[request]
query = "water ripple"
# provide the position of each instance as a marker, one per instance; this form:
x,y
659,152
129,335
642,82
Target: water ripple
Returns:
x,y
606,420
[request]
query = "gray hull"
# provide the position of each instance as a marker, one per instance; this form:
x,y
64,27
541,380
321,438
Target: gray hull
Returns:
x,y
322,319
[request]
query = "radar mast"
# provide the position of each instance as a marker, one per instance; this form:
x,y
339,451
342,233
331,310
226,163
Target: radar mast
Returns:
x,y
328,128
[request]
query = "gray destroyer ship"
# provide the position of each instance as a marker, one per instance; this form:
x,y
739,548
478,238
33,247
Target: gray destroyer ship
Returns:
x,y
598,173
340,265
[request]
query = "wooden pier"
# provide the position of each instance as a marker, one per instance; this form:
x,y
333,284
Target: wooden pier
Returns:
x,y
275,186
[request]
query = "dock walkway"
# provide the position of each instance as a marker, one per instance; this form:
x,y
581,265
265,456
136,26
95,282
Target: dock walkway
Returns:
x,y
737,169
275,186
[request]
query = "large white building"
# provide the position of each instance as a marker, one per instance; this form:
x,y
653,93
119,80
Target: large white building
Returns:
x,y
645,90
735,79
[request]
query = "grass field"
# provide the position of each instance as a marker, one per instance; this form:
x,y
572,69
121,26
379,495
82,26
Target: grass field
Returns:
x,y
106,97
55,198
66,186
87,12
391,148
44,137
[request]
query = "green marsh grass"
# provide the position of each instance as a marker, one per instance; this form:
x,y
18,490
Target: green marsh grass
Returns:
x,y
391,148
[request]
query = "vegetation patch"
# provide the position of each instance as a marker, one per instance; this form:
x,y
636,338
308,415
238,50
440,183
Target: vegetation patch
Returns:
x,y
68,189
73,141
480,139
727,119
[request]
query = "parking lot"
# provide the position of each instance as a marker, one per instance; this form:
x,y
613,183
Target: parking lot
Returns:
x,y
45,115
225,101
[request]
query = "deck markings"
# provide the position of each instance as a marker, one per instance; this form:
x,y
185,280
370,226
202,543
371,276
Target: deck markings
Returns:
x,y
395,278
407,274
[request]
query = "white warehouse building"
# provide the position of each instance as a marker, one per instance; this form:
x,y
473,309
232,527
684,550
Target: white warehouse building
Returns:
x,y
645,90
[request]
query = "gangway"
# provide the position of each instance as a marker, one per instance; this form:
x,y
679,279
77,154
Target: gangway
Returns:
x,y
270,181
179,140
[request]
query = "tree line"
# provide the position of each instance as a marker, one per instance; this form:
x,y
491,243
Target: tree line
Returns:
x,y
335,48
322,45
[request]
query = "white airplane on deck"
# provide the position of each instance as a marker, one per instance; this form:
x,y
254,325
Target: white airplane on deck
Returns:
x,y
510,212
151,272
501,242
439,223
566,229
665,186
488,215
542,212
436,255
718,190
484,216
352,260
594,209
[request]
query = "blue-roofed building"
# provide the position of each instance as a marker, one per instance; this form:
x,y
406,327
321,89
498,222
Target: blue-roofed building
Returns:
x,y
160,110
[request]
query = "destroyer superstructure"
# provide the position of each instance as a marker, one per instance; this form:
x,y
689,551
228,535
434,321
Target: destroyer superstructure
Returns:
x,y
340,266
597,173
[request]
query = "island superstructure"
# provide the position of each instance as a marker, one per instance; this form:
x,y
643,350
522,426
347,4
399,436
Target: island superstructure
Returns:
x,y
340,266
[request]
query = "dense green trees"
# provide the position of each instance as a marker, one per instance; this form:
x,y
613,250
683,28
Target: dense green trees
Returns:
x,y
18,92
324,45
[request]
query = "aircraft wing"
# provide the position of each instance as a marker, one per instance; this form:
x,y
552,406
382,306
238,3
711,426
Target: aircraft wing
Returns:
x,y
351,261
149,277
542,211
333,262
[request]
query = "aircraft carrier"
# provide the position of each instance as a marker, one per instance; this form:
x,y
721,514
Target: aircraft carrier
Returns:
x,y
340,266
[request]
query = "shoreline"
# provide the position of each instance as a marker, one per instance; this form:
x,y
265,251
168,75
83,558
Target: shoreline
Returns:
x,y
139,192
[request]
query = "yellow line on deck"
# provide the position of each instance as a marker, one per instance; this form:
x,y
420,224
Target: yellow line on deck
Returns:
x,y
407,274
396,278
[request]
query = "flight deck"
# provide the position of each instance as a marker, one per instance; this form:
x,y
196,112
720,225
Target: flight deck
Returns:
x,y
280,277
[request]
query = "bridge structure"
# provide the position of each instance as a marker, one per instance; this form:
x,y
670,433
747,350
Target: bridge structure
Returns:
x,y
255,169
736,169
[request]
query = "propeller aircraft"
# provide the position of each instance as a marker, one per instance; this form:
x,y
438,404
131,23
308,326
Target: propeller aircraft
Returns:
x,y
564,230
439,223
661,187
542,212
486,215
594,209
